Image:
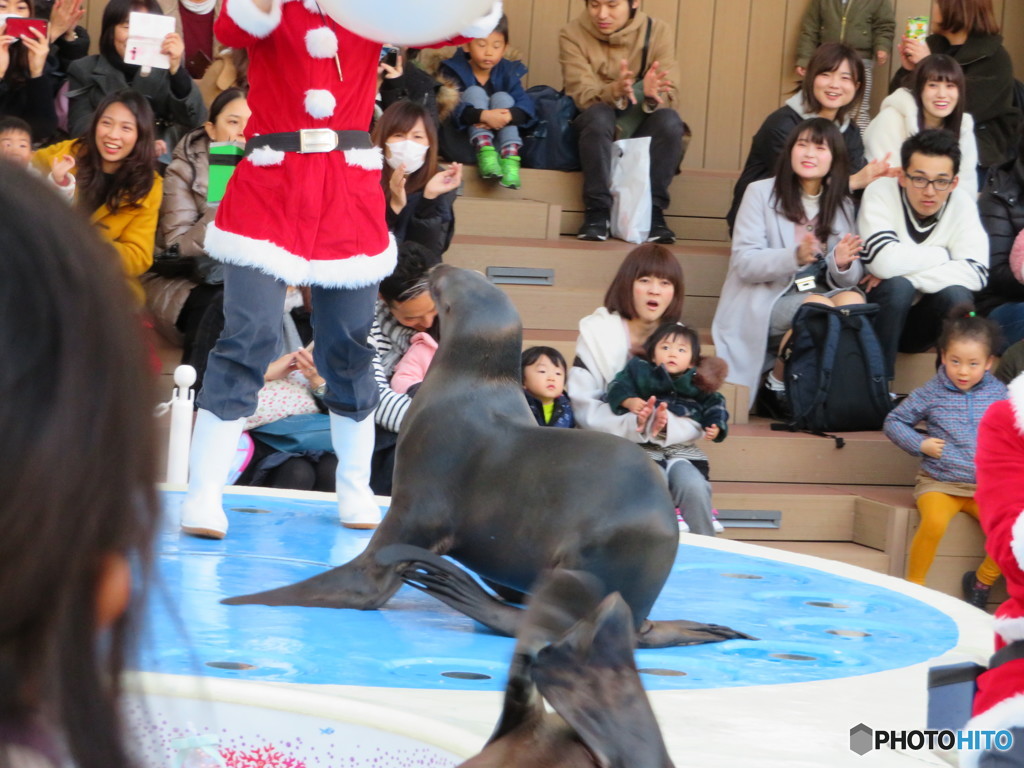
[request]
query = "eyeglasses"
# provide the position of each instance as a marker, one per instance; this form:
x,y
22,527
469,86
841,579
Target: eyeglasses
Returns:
x,y
922,182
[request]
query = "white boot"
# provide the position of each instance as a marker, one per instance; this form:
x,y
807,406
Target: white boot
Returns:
x,y
353,444
214,443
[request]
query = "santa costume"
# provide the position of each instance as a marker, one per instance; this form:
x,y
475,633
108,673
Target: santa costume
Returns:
x,y
304,207
999,702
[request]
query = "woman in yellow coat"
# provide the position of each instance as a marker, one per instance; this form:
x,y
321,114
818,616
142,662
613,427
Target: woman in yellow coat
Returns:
x,y
113,169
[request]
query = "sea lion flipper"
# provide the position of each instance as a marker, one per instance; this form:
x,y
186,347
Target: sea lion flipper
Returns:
x,y
664,634
590,679
451,585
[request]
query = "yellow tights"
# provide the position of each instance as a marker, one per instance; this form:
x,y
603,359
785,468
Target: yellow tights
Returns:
x,y
937,509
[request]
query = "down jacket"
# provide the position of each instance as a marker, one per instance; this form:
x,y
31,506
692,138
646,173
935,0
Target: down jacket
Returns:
x,y
1002,215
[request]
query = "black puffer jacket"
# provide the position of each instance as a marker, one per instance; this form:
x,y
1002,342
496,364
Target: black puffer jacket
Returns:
x,y
1002,214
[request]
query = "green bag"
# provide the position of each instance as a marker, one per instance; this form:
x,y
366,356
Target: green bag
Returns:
x,y
224,156
629,119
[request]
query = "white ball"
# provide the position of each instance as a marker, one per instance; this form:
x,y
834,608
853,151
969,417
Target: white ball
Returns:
x,y
406,22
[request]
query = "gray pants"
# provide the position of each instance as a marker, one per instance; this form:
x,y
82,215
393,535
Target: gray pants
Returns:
x,y
477,97
692,494
253,304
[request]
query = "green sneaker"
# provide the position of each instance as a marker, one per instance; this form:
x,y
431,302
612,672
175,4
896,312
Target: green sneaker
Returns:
x,y
510,171
488,162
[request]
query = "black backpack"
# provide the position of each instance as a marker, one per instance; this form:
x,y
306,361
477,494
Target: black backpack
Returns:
x,y
835,370
551,143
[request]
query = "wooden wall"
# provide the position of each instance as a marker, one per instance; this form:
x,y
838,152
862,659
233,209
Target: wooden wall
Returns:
x,y
736,58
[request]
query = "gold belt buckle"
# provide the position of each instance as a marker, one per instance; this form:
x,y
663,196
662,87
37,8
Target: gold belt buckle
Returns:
x,y
317,140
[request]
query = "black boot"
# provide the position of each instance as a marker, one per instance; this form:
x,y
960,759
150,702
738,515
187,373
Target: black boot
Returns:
x,y
975,592
772,404
595,224
660,233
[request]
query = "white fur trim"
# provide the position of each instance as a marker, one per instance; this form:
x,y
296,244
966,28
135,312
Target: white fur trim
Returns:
x,y
320,103
1010,628
322,43
1007,714
1016,399
262,156
353,272
254,21
370,159
483,26
311,6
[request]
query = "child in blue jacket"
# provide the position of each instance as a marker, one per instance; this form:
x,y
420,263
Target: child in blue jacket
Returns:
x,y
494,104
951,406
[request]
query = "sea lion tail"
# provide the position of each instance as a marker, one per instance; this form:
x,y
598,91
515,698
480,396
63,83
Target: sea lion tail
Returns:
x,y
451,585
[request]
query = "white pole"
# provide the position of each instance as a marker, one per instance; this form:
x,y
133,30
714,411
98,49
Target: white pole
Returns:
x,y
181,424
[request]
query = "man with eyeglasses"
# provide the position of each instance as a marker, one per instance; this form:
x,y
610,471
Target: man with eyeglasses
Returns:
x,y
925,249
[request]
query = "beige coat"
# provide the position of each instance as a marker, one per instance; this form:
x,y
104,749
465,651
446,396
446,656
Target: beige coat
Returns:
x,y
591,59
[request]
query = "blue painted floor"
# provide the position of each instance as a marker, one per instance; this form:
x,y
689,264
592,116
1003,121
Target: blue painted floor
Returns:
x,y
812,625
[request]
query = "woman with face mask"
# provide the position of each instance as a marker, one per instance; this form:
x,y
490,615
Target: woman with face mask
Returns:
x,y
419,195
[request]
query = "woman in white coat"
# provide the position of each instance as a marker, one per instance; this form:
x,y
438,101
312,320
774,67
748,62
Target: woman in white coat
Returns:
x,y
935,100
646,291
795,241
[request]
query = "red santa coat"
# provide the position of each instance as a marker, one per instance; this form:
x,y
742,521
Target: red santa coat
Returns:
x,y
999,703
313,218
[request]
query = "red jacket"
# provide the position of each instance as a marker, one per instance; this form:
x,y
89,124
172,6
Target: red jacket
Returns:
x,y
999,703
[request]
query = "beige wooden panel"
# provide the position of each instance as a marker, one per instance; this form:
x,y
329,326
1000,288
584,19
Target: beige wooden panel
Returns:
x,y
666,10
729,51
520,26
506,218
1013,34
763,86
693,52
549,16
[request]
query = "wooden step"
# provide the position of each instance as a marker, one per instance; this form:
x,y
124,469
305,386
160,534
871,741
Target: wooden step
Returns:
x,y
507,218
754,453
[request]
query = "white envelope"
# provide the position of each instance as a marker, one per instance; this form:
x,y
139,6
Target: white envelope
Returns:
x,y
146,33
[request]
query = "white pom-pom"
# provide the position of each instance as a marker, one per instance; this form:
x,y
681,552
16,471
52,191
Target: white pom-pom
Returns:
x,y
262,156
321,43
370,159
320,103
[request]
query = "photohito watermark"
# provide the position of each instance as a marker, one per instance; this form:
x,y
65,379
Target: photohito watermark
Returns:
x,y
864,739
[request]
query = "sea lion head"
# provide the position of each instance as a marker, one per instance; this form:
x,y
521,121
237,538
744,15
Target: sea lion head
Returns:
x,y
479,326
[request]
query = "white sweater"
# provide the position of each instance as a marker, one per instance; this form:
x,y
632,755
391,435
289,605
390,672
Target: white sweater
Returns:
x,y
897,121
954,253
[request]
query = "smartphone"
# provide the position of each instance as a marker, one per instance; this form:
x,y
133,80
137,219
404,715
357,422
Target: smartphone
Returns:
x,y
389,55
18,26
197,64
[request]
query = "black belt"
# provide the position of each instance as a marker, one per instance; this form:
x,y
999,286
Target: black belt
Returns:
x,y
310,140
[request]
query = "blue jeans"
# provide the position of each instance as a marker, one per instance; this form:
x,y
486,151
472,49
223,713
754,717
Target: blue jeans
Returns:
x,y
1010,319
251,339
477,97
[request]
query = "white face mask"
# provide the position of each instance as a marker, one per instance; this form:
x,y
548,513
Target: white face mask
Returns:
x,y
411,154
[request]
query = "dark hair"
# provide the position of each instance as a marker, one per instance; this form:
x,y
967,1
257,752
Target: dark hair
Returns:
x,y
79,487
133,179
116,12
828,57
632,7
835,187
17,73
670,331
944,69
647,260
933,143
975,17
502,27
533,354
11,123
965,325
409,279
400,117
223,99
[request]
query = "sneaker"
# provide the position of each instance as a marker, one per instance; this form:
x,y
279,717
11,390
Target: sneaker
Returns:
x,y
772,404
510,171
660,233
975,592
487,162
717,526
596,223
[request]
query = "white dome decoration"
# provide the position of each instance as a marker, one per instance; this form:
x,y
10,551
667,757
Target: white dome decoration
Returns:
x,y
410,22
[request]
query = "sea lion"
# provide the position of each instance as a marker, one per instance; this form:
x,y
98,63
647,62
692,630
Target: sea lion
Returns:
x,y
575,651
477,479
